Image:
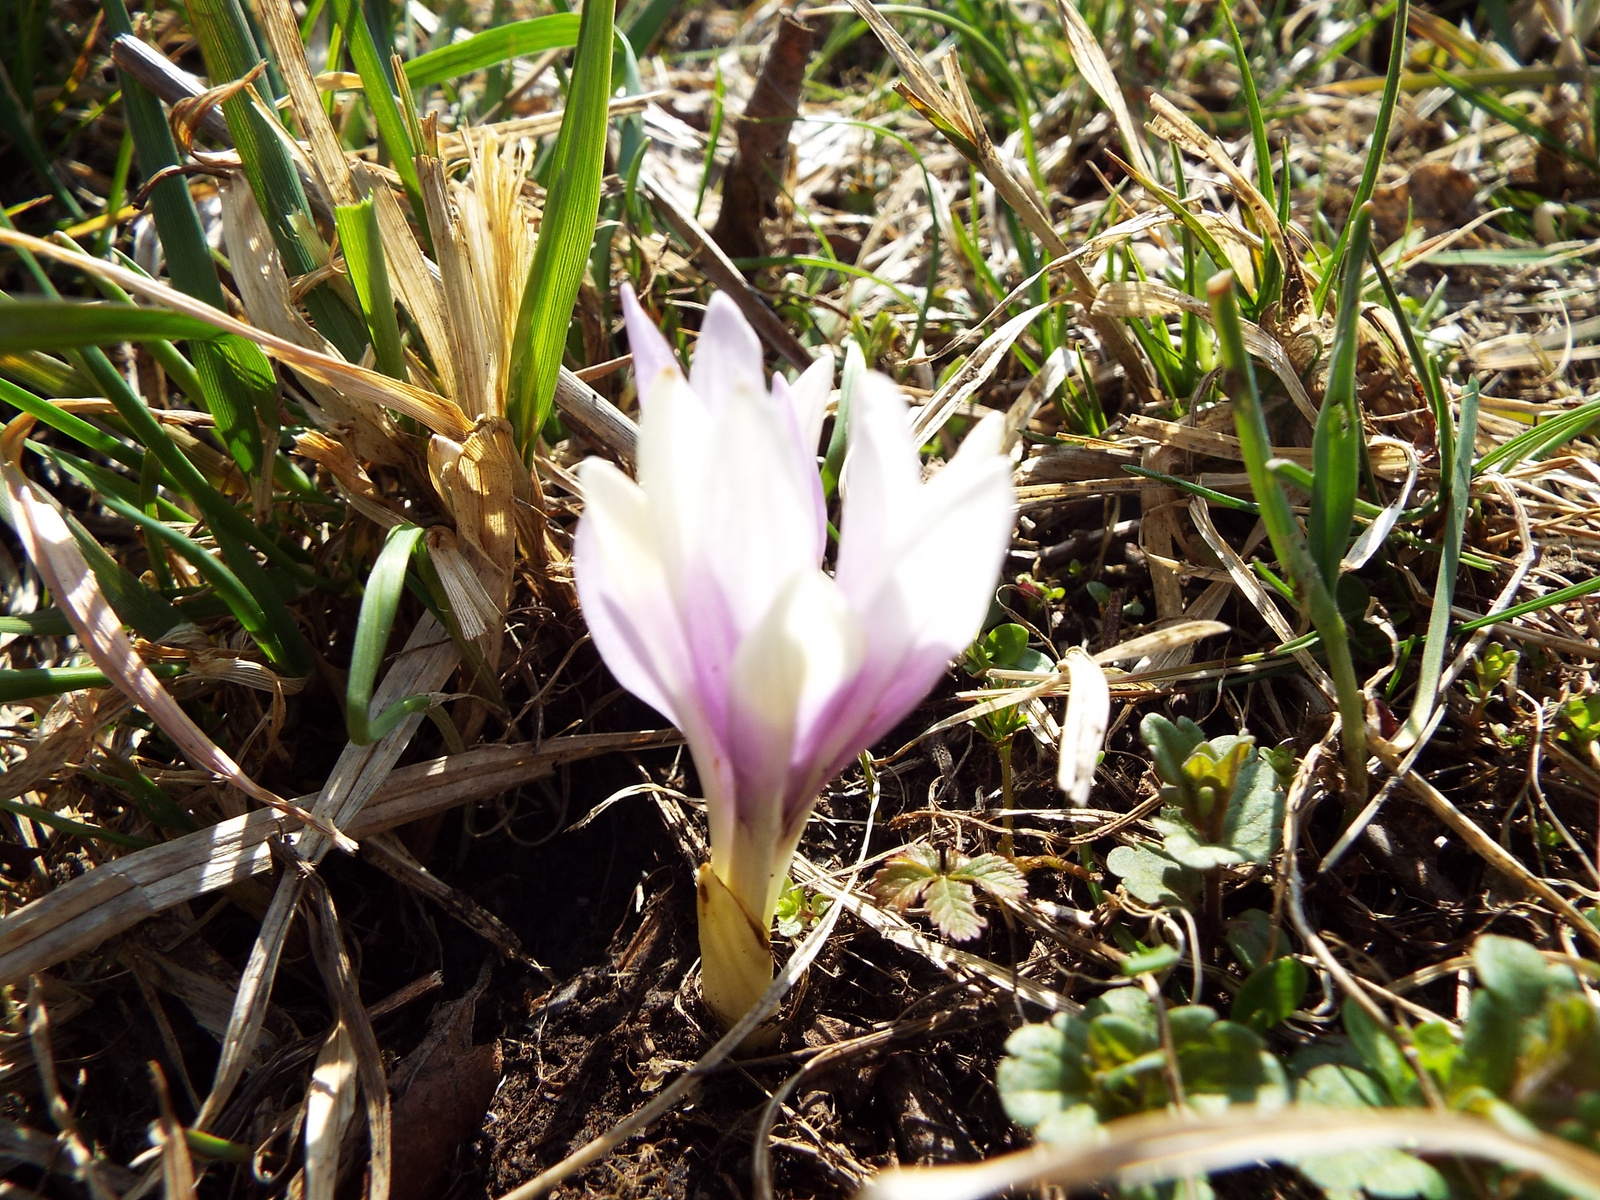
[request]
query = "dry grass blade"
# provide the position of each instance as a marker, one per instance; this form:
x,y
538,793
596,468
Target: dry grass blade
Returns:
x,y
1491,851
1158,1147
177,1168
80,914
289,54
55,554
84,1163
974,373
357,383
1098,74
330,1104
339,974
1083,727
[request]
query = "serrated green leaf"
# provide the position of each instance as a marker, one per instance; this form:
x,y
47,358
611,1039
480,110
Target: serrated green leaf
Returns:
x,y
952,909
995,874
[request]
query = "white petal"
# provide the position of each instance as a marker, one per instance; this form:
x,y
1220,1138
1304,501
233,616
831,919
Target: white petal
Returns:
x,y
805,649
651,353
727,358
676,453
880,486
810,398
624,591
760,509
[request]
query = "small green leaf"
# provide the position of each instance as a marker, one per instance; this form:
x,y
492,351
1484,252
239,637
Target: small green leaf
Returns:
x,y
1153,877
1271,994
1380,1053
1152,961
1513,972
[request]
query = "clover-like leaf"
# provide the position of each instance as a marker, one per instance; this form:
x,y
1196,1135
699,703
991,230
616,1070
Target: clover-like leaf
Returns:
x,y
1153,877
900,882
921,873
951,908
994,874
1385,1173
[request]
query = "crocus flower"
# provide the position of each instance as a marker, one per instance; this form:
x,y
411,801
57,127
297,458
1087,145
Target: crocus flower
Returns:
x,y
705,593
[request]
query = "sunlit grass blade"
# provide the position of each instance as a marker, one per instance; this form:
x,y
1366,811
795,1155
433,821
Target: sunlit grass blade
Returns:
x,y
1457,503
33,683
363,257
67,324
1566,595
392,132
566,232
1255,448
1545,437
1336,445
1252,107
554,32
378,607
1376,154
1521,122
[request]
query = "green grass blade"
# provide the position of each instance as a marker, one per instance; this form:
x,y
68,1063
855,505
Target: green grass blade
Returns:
x,y
236,380
1521,122
230,53
18,129
363,257
1457,503
1377,152
1252,106
1542,439
567,231
378,607
1336,445
68,324
1574,591
1255,447
66,824
226,584
557,31
72,425
377,88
